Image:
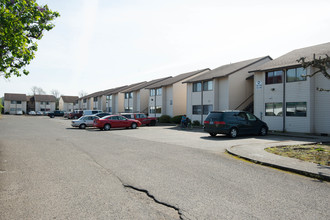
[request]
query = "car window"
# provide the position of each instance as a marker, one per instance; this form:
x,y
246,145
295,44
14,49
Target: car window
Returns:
x,y
241,116
251,117
113,118
128,116
121,118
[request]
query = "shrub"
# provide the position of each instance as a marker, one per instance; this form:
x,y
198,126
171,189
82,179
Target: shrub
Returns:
x,y
164,119
196,123
176,119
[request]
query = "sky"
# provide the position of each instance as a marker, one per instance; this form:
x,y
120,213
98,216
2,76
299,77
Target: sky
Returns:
x,y
103,44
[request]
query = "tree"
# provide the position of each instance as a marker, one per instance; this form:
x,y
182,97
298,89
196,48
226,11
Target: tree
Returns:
x,y
82,93
55,93
22,23
37,91
321,64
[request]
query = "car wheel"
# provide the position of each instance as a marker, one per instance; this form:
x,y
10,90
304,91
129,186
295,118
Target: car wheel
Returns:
x,y
75,117
52,116
82,126
263,131
233,132
153,123
107,127
213,134
134,125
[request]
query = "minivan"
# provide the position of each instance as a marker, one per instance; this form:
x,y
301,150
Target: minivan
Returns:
x,y
91,112
233,123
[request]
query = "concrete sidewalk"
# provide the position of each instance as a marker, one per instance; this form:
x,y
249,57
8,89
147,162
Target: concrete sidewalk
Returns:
x,y
257,154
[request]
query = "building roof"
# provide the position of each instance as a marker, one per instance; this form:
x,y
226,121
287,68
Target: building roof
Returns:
x,y
28,97
290,59
44,98
121,89
146,84
69,99
15,97
175,79
226,70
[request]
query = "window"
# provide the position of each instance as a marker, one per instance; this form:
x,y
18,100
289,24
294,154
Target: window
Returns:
x,y
152,109
152,92
128,109
109,97
197,109
95,99
207,109
197,87
159,109
208,86
159,91
12,102
273,109
47,103
171,102
250,117
298,109
274,77
296,74
128,95
18,102
85,100
109,109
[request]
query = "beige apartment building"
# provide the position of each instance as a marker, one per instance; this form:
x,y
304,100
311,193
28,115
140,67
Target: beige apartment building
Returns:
x,y
15,103
169,97
136,99
226,87
68,103
287,100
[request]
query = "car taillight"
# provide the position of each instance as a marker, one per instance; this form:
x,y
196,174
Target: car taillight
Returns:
x,y
219,123
206,122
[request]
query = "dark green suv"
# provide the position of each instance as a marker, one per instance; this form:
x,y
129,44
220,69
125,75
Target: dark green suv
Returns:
x,y
233,123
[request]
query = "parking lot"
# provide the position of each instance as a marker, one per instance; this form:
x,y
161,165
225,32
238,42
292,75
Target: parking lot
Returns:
x,y
50,170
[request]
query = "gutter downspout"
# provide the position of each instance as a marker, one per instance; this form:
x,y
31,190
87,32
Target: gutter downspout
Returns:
x,y
284,103
202,102
155,103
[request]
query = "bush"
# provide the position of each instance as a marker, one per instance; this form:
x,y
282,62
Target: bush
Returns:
x,y
176,119
196,123
164,119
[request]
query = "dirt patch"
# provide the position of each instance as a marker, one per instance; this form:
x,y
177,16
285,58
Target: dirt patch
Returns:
x,y
316,153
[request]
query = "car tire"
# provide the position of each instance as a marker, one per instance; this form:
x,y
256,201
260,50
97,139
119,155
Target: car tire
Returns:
x,y
134,126
82,126
213,134
263,131
153,123
233,132
52,116
107,127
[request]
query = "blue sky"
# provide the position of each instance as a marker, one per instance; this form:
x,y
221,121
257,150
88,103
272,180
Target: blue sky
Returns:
x,y
101,44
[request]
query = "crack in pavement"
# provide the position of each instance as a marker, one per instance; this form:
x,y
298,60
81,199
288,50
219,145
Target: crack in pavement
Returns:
x,y
155,200
180,214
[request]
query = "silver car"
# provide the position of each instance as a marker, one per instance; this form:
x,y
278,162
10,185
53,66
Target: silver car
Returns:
x,y
84,121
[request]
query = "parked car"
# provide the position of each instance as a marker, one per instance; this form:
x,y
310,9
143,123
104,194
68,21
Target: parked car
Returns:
x,y
91,112
66,114
145,120
39,113
102,114
84,121
55,113
233,123
76,114
115,121
32,113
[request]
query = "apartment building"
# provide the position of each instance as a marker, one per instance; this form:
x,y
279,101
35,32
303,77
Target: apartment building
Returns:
x,y
288,100
68,103
226,87
169,97
15,103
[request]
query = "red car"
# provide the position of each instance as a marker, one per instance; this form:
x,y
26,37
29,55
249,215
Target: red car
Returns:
x,y
115,121
141,117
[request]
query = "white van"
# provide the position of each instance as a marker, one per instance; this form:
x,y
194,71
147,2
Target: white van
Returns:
x,y
91,112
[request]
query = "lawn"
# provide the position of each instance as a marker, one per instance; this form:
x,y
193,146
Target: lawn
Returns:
x,y
316,153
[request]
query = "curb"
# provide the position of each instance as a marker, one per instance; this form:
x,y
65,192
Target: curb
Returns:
x,y
301,172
